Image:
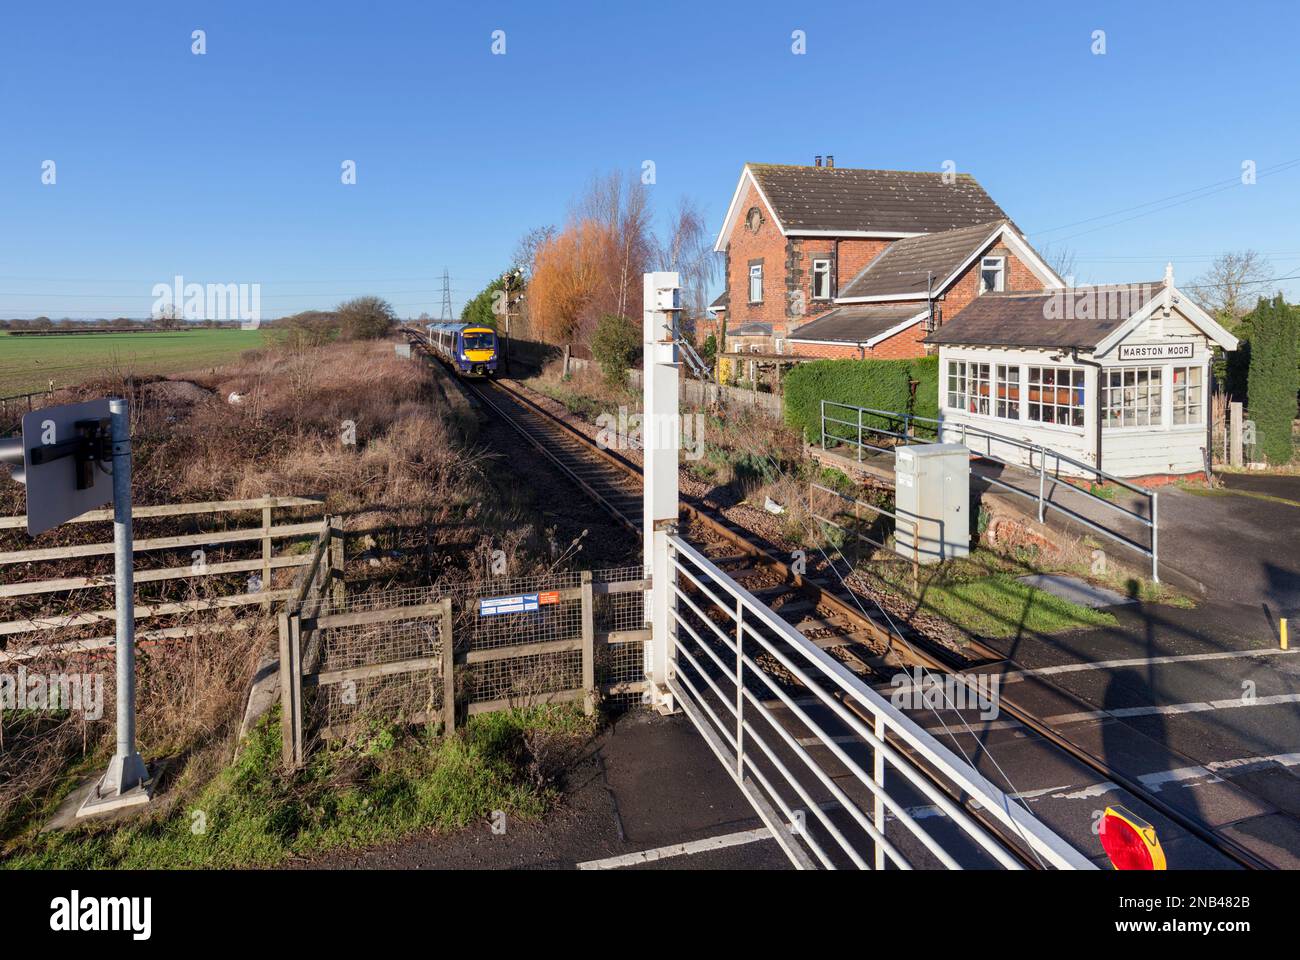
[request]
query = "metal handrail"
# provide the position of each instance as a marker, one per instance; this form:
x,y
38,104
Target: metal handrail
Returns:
x,y
730,721
909,437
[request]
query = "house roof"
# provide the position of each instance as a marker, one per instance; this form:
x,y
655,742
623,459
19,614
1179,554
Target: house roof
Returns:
x,y
909,266
889,201
864,325
752,328
722,301
1079,317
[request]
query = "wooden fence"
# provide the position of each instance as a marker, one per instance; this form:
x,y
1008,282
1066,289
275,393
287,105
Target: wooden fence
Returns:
x,y
448,658
267,533
12,408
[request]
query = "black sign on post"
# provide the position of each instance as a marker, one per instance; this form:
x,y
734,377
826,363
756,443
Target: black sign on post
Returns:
x,y
66,458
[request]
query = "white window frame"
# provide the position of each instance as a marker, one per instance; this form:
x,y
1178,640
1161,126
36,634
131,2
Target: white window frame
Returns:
x,y
1078,381
994,263
1137,397
1006,377
824,264
755,273
1193,410
965,377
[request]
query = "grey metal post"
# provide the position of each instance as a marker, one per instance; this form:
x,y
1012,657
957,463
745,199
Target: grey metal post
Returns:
x,y
126,769
1155,537
1042,480
823,406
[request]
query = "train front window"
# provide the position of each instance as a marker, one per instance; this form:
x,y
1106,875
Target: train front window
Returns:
x,y
478,341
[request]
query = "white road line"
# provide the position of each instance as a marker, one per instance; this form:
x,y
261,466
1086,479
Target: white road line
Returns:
x,y
678,850
1014,676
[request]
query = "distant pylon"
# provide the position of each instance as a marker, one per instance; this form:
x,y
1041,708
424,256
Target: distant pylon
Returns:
x,y
446,295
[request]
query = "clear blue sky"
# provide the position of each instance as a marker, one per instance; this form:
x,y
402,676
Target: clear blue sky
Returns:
x,y
226,167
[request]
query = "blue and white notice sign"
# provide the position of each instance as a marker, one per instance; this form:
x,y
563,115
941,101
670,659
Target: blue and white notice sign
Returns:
x,y
494,606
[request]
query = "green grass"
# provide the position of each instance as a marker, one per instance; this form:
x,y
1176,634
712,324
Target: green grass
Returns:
x,y
1001,606
389,785
29,363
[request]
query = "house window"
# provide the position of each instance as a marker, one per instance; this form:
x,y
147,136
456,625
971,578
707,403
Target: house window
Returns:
x,y
1132,397
1056,395
1187,395
756,283
821,279
993,272
1008,396
968,386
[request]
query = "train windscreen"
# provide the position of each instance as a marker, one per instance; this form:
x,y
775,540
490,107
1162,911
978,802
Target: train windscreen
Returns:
x,y
478,341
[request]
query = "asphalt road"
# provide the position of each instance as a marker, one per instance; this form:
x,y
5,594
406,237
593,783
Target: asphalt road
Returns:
x,y
1239,541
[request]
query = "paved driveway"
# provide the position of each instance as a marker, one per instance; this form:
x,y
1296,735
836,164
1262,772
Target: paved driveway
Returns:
x,y
1241,541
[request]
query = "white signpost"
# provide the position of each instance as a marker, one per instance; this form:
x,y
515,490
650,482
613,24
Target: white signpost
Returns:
x,y
75,458
660,437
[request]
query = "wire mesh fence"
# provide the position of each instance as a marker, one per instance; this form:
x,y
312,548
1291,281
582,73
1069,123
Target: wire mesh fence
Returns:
x,y
431,653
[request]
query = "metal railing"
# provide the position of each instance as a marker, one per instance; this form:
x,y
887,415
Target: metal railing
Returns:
x,y
905,800
917,429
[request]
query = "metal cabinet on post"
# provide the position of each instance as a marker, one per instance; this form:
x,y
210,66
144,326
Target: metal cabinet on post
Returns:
x,y
933,491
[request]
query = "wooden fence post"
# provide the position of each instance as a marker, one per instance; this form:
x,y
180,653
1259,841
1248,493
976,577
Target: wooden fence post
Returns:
x,y
1234,433
588,646
295,684
266,548
286,691
448,670
338,564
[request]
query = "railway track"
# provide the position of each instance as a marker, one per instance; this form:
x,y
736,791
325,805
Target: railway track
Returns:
x,y
816,608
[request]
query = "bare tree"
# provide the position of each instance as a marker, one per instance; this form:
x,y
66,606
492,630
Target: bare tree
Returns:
x,y
1232,285
1062,259
532,241
687,249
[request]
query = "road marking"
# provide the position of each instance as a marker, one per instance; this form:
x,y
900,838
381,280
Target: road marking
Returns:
x,y
1016,675
679,850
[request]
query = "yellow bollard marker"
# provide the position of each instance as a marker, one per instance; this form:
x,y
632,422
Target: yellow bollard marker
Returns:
x,y
1284,633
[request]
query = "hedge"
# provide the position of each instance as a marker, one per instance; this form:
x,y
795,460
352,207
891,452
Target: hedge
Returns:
x,y
879,384
1271,381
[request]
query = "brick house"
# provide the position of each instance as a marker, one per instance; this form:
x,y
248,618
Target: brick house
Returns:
x,y
827,261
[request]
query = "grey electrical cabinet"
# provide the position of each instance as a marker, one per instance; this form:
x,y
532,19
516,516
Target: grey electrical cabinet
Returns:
x,y
933,490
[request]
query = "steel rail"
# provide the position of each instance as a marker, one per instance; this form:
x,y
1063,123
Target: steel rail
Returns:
x,y
924,653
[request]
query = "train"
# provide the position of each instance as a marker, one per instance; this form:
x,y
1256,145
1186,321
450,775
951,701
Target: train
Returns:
x,y
472,350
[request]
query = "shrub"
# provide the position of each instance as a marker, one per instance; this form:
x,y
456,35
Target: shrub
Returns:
x,y
878,384
1271,387
365,318
616,346
709,352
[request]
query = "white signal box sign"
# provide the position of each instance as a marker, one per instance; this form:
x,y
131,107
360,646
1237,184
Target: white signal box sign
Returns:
x,y
52,475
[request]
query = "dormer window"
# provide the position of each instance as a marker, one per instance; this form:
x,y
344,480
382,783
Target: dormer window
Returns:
x,y
993,274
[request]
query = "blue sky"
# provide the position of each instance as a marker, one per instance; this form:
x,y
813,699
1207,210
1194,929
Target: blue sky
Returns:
x,y
226,167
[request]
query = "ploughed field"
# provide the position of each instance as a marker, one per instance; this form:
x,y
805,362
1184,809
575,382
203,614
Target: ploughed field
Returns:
x,y
29,363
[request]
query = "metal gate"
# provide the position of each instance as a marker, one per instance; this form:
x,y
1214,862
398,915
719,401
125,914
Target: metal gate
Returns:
x,y
840,776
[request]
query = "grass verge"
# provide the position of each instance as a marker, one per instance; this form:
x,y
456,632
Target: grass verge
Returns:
x,y
385,786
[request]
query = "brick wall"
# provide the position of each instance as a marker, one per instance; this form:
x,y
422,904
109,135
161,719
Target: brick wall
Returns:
x,y
908,342
902,345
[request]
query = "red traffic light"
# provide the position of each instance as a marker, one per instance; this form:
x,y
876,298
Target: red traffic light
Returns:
x,y
1130,841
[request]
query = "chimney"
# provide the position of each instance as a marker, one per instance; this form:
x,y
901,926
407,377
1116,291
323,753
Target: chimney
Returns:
x,y
830,160
817,160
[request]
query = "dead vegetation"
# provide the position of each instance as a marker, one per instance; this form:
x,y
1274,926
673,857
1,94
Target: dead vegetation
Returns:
x,y
369,431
